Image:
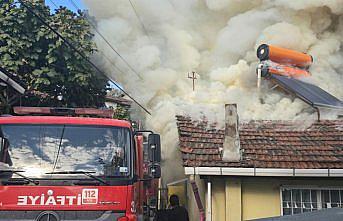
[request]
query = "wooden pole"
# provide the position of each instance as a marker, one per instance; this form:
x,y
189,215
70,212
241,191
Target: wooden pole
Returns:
x,y
193,77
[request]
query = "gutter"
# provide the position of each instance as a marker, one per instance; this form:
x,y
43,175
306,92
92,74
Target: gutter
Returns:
x,y
261,172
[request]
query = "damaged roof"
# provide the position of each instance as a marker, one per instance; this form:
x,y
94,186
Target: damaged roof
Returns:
x,y
264,144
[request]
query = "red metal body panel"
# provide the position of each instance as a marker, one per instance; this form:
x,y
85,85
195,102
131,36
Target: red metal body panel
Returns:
x,y
124,198
63,120
131,204
139,185
64,197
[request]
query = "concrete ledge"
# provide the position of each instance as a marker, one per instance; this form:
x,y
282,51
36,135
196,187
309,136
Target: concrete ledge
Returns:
x,y
208,170
274,172
237,171
189,171
312,172
336,172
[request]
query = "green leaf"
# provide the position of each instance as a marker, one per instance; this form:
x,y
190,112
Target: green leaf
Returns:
x,y
37,72
52,60
43,61
51,74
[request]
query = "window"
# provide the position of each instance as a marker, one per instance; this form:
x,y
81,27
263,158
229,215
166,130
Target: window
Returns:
x,y
38,149
301,200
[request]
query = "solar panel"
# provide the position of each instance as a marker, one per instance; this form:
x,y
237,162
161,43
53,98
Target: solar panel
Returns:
x,y
309,93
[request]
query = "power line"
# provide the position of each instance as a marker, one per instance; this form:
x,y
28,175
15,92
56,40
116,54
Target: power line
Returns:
x,y
74,4
171,3
140,20
56,66
81,54
108,43
53,3
111,62
102,53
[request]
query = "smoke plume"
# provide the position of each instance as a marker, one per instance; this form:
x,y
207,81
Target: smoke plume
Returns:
x,y
217,39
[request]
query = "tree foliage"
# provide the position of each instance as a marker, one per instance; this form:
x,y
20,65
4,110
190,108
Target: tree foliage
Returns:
x,y
42,63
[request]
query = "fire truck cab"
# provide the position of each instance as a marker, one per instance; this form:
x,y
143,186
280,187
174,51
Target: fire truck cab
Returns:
x,y
62,167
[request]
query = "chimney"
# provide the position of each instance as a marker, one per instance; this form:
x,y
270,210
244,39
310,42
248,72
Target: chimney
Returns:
x,y
231,147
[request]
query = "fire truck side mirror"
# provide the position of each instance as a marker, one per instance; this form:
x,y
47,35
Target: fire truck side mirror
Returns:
x,y
155,170
154,146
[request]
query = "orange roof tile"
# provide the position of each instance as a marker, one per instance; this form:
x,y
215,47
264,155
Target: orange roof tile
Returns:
x,y
264,144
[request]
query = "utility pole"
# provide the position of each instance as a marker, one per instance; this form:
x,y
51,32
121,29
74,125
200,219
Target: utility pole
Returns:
x,y
193,76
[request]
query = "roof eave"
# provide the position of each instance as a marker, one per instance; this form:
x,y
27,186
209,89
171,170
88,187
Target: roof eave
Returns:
x,y
263,172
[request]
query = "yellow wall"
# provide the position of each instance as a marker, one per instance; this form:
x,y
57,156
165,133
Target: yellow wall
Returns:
x,y
261,196
218,200
222,209
237,199
260,199
180,191
233,191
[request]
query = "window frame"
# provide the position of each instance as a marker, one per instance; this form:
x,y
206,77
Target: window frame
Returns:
x,y
318,190
130,150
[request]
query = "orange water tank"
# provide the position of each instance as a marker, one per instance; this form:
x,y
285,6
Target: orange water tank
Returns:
x,y
283,70
284,56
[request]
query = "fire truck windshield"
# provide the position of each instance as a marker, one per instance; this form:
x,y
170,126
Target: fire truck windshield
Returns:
x,y
41,149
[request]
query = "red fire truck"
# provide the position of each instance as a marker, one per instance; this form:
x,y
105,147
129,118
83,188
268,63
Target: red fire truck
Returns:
x,y
57,168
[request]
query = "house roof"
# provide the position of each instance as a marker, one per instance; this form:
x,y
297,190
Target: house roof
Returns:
x,y
264,144
118,100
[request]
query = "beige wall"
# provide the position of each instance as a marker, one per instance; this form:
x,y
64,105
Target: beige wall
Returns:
x,y
233,191
261,196
180,190
260,199
218,200
237,199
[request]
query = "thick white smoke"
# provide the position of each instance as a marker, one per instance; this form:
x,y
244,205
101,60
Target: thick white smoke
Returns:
x,y
218,40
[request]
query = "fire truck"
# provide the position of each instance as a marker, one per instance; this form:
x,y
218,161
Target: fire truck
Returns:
x,y
56,164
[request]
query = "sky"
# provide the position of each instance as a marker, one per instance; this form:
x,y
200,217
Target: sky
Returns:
x,y
67,3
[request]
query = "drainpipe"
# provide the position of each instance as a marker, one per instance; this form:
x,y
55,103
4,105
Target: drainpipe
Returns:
x,y
197,198
209,201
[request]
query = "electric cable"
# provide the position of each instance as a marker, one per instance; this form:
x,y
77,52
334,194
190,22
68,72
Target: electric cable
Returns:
x,y
102,53
139,19
81,54
53,3
108,43
74,4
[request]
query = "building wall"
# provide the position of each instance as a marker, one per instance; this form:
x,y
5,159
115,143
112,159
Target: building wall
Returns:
x,y
260,199
233,191
218,200
237,199
261,196
180,190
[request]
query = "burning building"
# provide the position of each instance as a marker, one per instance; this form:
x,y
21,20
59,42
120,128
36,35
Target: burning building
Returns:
x,y
274,167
